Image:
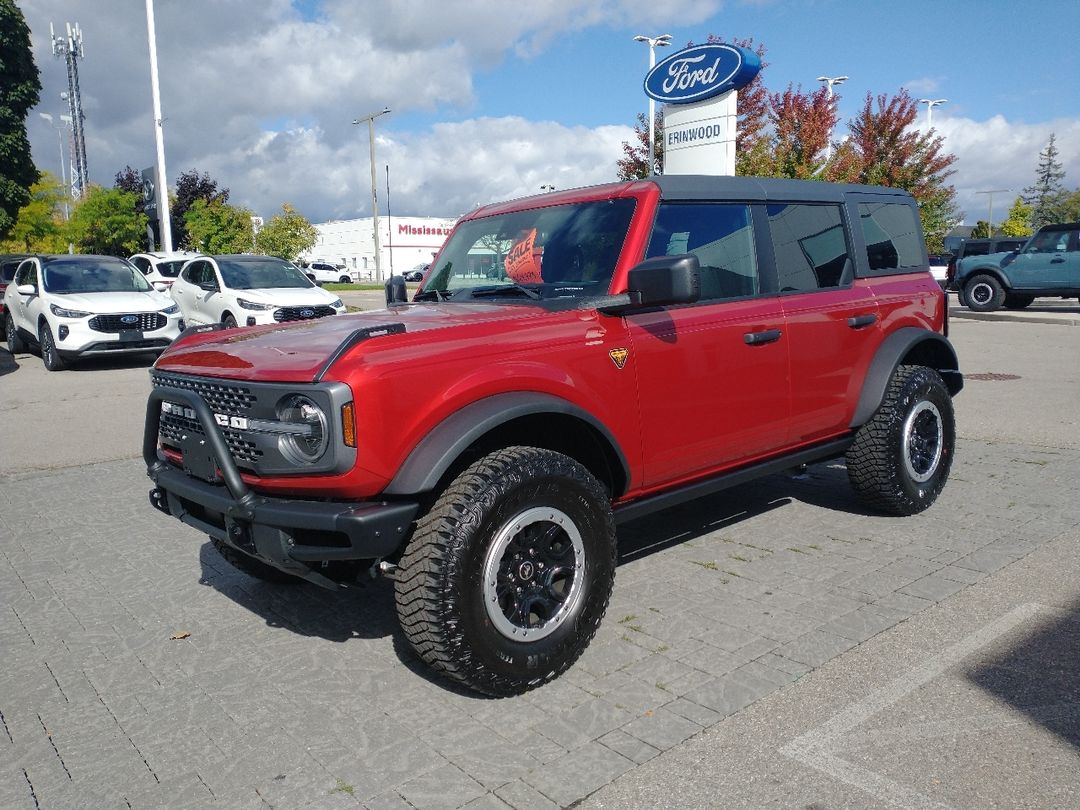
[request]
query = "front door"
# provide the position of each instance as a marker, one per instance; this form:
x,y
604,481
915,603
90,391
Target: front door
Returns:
x,y
713,376
1051,261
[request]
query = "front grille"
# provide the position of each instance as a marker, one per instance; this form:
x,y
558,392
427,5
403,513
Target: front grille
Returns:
x,y
301,313
174,427
146,321
235,400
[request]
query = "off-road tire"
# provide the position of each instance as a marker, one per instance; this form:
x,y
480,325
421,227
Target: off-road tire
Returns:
x,y
251,566
984,293
1018,301
473,549
900,459
49,354
15,344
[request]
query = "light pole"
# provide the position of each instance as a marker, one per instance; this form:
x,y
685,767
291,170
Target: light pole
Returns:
x,y
547,188
654,42
829,82
990,213
930,104
63,172
164,220
374,194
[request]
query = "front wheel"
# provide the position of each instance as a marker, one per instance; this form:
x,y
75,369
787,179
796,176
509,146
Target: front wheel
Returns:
x,y
900,459
15,344
984,293
229,321
507,578
49,355
345,280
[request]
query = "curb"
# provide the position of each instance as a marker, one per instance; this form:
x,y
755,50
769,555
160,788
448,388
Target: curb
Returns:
x,y
1065,319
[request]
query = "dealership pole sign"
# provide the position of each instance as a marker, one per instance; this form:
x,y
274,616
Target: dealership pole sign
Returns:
x,y
699,87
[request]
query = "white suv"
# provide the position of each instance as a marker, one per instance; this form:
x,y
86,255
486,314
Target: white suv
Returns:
x,y
73,306
161,268
245,290
326,273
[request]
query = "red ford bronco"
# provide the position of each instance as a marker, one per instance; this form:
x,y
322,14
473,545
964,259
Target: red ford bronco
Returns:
x,y
571,361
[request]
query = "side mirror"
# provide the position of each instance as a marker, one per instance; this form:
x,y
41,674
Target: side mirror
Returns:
x,y
396,292
26,289
665,280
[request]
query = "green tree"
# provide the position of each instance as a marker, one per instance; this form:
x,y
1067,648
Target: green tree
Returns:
x,y
286,235
216,227
1047,195
39,226
1071,207
105,222
981,230
1018,222
191,186
20,86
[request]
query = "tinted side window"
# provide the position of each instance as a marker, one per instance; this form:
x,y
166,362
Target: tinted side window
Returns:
x,y
893,238
142,263
977,249
810,246
722,238
26,274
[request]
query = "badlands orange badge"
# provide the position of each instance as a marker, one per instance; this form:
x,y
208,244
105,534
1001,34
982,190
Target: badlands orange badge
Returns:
x,y
619,356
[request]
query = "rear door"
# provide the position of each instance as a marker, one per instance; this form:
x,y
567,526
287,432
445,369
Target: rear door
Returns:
x,y
25,308
833,322
713,376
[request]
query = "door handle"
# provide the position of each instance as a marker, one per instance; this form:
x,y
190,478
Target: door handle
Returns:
x,y
1058,260
757,338
859,321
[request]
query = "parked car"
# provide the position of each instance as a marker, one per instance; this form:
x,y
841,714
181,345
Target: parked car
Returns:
x,y
417,273
1047,265
8,264
326,273
161,268
979,247
939,268
244,290
648,343
74,306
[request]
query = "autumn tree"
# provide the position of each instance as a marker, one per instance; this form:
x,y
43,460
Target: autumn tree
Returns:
x,y
1047,196
1018,222
286,235
795,145
20,87
105,222
216,227
39,225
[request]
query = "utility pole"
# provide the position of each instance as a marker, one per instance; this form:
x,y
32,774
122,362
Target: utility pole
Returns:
x,y
990,214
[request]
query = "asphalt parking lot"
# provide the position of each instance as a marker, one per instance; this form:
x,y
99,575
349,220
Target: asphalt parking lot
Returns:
x,y
774,646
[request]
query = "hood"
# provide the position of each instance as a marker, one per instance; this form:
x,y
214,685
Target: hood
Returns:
x,y
287,296
296,352
111,303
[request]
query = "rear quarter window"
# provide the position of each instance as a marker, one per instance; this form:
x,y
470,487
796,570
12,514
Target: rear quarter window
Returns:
x,y
893,236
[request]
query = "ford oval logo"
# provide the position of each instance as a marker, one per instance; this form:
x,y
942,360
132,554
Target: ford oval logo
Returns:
x,y
307,313
129,319
700,72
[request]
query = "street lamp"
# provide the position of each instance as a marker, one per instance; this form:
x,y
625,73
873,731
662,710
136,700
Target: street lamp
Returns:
x,y
370,119
990,199
547,187
829,82
63,172
930,104
654,42
164,220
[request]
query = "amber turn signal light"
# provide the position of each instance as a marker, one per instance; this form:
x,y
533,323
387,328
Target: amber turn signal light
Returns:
x,y
348,424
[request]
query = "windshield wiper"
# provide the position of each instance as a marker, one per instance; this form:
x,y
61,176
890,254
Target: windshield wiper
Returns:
x,y
505,289
433,295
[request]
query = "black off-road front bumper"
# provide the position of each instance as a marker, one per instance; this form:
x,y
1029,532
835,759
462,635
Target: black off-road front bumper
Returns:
x,y
209,495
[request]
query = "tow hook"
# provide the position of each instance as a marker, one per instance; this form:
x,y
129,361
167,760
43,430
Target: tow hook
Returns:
x,y
158,500
382,568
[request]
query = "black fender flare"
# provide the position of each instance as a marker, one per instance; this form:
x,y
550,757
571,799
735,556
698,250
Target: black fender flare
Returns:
x,y
935,351
432,457
985,270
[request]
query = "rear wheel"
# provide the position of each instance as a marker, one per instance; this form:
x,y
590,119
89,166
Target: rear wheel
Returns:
x,y
1018,301
507,578
49,355
900,459
15,344
984,293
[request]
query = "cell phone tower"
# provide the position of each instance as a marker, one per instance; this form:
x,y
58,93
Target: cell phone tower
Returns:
x,y
70,47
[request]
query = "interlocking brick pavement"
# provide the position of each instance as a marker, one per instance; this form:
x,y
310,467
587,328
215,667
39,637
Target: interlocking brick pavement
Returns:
x,y
292,697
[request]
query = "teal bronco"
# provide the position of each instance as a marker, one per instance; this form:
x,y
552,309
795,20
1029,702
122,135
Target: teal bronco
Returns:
x,y
1048,265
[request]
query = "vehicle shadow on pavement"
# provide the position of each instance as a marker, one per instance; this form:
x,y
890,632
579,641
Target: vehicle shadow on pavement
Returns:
x,y
1036,674
109,363
8,363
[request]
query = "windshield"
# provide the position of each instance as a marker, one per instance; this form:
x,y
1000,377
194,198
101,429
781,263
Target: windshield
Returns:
x,y
261,274
64,276
170,269
562,251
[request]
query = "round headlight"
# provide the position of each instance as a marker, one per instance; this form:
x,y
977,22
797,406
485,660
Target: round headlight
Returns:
x,y
304,432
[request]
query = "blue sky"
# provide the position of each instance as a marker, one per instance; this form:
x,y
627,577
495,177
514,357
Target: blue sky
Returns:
x,y
492,98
